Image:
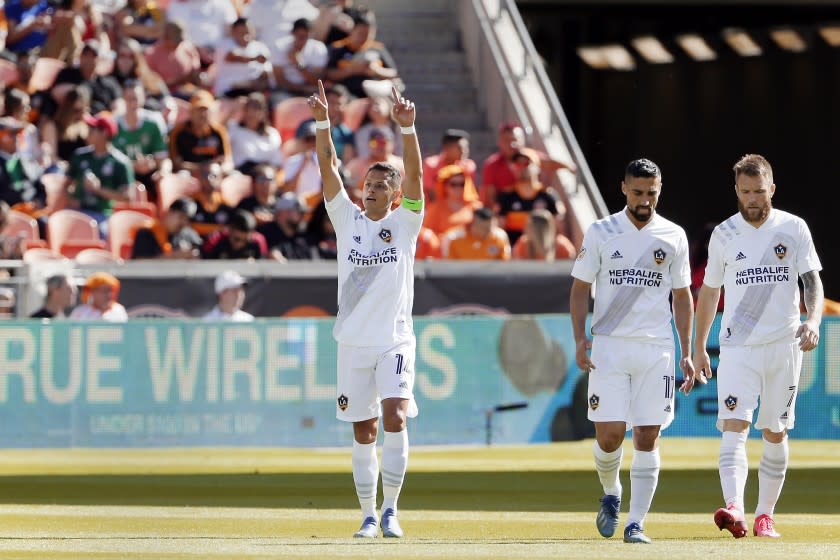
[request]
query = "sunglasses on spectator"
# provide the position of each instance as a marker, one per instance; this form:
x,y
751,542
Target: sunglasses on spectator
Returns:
x,y
456,184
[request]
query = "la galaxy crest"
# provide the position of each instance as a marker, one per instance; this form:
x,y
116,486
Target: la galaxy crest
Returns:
x,y
780,251
385,235
594,400
730,402
659,256
342,402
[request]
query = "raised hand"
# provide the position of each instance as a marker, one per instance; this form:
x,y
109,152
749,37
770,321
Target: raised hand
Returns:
x,y
318,103
403,111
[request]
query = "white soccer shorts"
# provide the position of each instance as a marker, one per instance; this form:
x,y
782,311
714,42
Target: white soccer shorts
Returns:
x,y
633,382
368,374
768,373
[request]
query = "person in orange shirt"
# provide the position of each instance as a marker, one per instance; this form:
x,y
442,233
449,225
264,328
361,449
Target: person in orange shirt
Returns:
x,y
454,150
540,241
482,239
428,245
452,206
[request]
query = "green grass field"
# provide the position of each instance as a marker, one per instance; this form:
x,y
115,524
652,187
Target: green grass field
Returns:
x,y
502,503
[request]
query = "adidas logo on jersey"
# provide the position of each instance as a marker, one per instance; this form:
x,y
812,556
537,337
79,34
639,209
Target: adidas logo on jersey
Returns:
x,y
357,238
616,255
740,256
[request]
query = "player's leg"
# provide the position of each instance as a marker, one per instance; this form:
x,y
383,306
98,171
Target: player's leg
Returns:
x,y
366,475
609,396
644,477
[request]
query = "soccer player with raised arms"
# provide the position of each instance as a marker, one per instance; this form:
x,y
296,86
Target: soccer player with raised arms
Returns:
x,y
374,329
638,260
758,255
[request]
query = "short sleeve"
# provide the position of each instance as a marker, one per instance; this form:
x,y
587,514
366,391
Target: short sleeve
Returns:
x,y
715,265
588,261
680,268
806,257
342,212
412,220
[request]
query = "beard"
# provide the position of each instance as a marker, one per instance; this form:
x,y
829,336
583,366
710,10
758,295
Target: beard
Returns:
x,y
754,215
641,213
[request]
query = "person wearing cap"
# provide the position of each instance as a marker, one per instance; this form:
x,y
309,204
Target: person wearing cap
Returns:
x,y
298,60
171,237
239,240
261,202
374,329
99,300
300,171
198,140
285,235
452,207
104,90
230,294
454,150
482,239
381,145
61,295
242,62
99,173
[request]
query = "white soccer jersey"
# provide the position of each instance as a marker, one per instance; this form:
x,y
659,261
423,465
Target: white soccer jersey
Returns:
x,y
634,271
759,269
375,274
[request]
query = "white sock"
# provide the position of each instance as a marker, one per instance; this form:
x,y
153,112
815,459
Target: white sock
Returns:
x,y
608,466
366,476
394,465
732,466
771,475
644,474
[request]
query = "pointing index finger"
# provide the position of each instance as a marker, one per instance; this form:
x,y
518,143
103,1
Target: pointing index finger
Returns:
x,y
395,94
321,93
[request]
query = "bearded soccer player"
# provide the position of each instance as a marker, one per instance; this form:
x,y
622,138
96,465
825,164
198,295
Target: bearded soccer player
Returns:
x,y
639,260
758,255
374,329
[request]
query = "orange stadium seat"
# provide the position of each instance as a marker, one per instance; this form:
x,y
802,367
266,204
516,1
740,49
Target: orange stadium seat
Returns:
x,y
95,256
121,229
288,114
354,113
25,227
70,231
38,254
235,187
44,73
174,186
8,72
56,192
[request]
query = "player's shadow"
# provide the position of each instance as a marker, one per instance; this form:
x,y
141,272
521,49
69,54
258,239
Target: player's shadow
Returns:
x,y
806,490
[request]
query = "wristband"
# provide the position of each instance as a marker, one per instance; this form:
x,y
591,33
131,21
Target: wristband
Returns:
x,y
415,205
322,125
407,129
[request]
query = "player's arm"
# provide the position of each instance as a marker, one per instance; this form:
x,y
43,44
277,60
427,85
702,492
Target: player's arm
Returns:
x,y
404,113
704,315
579,309
813,297
327,159
683,305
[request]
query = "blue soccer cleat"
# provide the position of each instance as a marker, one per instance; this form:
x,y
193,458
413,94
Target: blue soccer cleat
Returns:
x,y
368,530
634,534
607,520
390,526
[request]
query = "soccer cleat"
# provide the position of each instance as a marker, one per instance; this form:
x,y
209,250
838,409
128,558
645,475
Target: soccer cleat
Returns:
x,y
634,534
731,519
368,530
607,519
390,526
764,527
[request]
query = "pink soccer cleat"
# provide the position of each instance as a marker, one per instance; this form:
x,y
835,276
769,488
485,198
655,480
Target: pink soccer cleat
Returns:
x,y
764,527
732,519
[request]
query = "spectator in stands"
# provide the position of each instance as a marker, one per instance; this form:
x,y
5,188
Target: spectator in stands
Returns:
x,y
242,62
204,21
335,21
74,22
452,207
285,235
481,240
273,20
239,240
142,137
19,176
253,140
11,247
30,22
428,245
262,201
28,146
7,303
454,150
140,20
100,173
171,237
540,240
131,66
198,140
99,300
298,61
381,149
498,173
528,193
212,213
359,59
176,60
378,116
67,131
321,233
61,295
342,137
104,90
301,173
230,291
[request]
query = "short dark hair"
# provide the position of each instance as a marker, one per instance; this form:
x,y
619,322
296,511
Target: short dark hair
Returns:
x,y
642,167
14,100
753,165
242,220
392,174
453,135
186,206
56,281
483,213
301,23
240,21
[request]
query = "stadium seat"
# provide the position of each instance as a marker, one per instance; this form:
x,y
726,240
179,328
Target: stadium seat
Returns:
x,y
173,187
184,107
235,187
25,227
56,192
288,114
8,73
95,256
38,254
44,73
150,209
122,227
354,113
70,231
